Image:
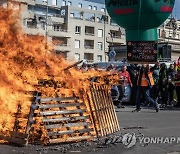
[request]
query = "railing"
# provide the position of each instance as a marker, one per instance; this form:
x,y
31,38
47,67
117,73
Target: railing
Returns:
x,y
79,18
92,20
89,61
113,24
102,21
164,59
64,45
116,37
88,47
91,34
57,15
61,30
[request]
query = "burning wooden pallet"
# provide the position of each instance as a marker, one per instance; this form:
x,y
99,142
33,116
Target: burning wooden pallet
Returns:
x,y
64,119
67,119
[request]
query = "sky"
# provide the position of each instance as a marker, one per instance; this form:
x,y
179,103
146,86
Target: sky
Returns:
x,y
176,10
175,13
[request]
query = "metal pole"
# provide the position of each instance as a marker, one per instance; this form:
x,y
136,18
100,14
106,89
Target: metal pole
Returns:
x,y
105,35
46,26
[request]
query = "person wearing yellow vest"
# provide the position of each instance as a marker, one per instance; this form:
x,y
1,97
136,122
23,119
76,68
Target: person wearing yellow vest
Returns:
x,y
145,82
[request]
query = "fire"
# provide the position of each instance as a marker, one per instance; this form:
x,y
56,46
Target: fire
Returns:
x,y
25,61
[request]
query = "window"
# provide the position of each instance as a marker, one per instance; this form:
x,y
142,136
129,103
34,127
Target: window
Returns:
x,y
103,9
100,33
95,8
77,44
72,15
56,27
54,2
99,58
159,32
77,29
80,5
90,7
77,57
69,3
63,3
100,45
98,19
177,36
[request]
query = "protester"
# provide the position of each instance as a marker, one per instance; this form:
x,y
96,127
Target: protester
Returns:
x,y
133,72
163,84
123,75
178,84
154,92
171,86
145,81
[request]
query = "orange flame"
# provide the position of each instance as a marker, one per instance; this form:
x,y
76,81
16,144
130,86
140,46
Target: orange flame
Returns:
x,y
24,61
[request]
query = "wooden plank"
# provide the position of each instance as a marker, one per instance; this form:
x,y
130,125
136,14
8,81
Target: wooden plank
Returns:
x,y
18,135
47,106
67,125
115,120
98,116
50,113
18,141
70,139
69,132
65,119
108,108
58,99
31,114
113,113
105,112
92,116
100,108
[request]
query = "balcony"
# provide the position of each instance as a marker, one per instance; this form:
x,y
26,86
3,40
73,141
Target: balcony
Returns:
x,y
33,31
116,39
59,33
57,19
31,2
28,15
62,47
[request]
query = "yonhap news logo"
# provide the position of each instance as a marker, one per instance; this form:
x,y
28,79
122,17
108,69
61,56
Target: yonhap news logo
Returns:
x,y
131,139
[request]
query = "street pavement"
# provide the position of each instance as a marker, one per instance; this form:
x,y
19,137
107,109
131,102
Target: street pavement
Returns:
x,y
143,127
164,125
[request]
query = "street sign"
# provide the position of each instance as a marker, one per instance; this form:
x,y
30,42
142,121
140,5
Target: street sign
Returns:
x,y
112,55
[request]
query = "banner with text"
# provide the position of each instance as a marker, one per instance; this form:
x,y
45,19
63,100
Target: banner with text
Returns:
x,y
142,51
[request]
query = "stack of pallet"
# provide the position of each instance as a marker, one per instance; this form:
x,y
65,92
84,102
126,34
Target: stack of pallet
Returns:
x,y
69,119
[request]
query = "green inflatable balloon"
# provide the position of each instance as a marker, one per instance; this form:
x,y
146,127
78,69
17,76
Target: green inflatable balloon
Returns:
x,y
140,18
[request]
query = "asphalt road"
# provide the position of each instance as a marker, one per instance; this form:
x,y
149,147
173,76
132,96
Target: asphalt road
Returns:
x,y
151,133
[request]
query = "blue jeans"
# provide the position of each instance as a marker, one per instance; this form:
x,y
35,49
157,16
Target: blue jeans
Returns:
x,y
144,91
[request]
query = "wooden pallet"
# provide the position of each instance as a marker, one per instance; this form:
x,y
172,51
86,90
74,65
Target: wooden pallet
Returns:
x,y
104,111
65,119
22,138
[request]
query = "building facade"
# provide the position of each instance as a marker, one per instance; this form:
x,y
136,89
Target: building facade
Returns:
x,y
80,29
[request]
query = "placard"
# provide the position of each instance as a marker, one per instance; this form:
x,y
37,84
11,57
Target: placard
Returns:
x,y
142,51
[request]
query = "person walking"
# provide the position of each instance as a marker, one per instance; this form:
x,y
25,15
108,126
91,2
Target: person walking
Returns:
x,y
145,81
133,72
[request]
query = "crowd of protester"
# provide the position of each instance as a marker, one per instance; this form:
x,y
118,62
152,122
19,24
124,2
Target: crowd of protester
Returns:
x,y
150,85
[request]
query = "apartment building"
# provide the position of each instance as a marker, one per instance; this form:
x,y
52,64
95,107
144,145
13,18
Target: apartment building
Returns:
x,y
81,29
